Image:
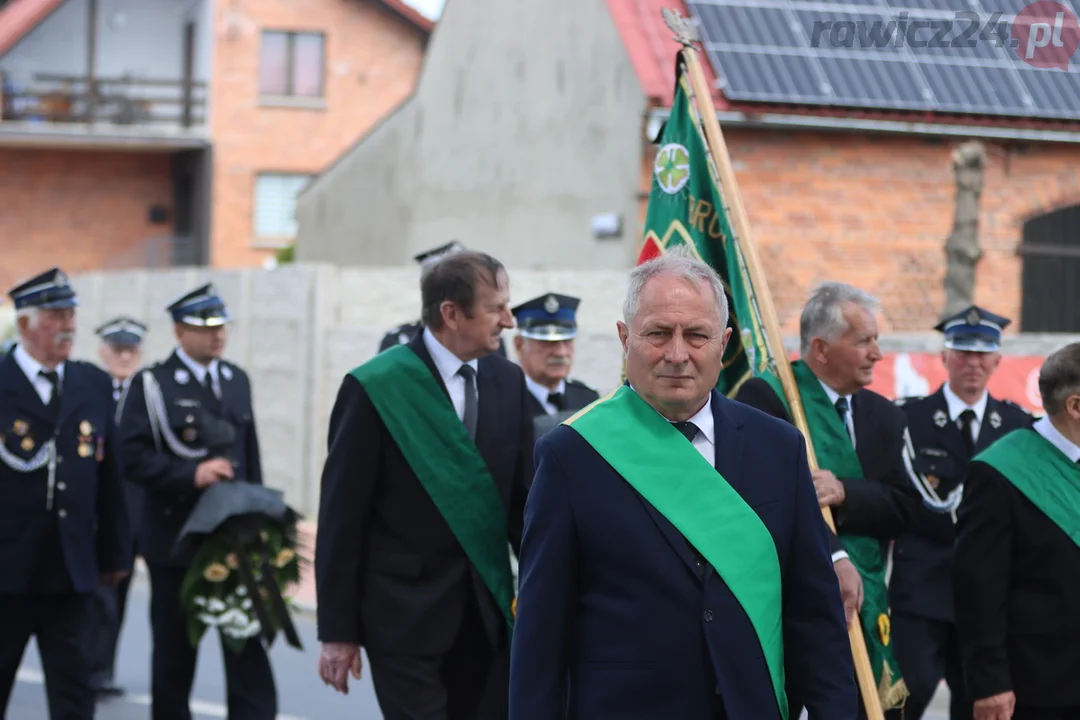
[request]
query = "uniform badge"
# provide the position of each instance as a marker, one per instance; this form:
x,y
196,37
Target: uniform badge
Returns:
x,y
100,457
933,480
940,418
85,450
226,372
27,443
181,376
20,427
995,419
551,305
190,435
85,428
189,419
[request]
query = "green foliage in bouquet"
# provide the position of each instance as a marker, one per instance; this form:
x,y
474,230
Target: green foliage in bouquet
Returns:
x,y
214,594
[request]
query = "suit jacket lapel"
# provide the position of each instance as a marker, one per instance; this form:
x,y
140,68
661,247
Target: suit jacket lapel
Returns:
x,y
987,432
18,391
535,408
862,415
72,394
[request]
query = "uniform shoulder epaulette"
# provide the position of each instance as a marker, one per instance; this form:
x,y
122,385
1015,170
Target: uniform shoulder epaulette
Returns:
x,y
1014,406
579,384
901,402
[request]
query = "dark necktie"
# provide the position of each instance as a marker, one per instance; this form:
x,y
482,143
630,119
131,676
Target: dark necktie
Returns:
x,y
688,429
469,374
558,400
967,429
842,410
54,379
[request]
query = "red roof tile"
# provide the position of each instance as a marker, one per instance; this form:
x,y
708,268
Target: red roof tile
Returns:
x,y
19,17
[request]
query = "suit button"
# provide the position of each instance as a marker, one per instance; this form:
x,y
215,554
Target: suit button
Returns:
x,y
62,513
708,616
61,486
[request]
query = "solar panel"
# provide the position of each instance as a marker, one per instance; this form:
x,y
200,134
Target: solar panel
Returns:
x,y
954,56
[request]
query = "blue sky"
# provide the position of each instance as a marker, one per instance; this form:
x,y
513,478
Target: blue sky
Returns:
x,y
430,8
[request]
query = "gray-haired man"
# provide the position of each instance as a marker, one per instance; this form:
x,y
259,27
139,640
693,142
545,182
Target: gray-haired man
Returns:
x,y
865,483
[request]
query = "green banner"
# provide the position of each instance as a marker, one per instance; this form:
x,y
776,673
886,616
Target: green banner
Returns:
x,y
835,453
421,419
675,479
687,208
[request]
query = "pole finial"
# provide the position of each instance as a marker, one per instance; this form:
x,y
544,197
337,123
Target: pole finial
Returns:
x,y
686,32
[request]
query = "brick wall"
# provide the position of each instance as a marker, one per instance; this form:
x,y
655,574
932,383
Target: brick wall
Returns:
x,y
876,211
372,61
80,210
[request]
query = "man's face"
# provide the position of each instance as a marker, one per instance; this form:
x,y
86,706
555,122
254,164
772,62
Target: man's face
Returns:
x,y
49,340
848,363
969,372
202,344
478,335
120,360
545,361
674,346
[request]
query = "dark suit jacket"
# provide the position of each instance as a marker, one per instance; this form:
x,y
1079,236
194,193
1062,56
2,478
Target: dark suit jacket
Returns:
x,y
84,534
921,581
389,573
881,504
1017,589
577,396
168,478
616,619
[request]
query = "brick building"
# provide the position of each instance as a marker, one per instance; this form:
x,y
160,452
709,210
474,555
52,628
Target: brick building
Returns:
x,y
534,145
149,133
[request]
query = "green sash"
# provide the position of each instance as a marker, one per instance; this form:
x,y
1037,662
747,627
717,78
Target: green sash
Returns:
x,y
675,479
1042,474
438,448
834,451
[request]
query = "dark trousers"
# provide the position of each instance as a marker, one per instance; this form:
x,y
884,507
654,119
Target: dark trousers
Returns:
x,y
107,618
58,622
928,650
470,682
249,680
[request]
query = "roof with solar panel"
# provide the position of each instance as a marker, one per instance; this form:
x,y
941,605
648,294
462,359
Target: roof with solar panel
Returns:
x,y
1000,62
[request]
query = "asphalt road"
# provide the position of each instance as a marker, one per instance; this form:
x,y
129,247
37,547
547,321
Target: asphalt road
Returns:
x,y
301,694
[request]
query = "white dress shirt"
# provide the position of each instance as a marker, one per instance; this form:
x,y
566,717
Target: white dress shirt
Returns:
x,y
957,406
199,371
705,440
30,366
541,392
1044,427
849,418
448,364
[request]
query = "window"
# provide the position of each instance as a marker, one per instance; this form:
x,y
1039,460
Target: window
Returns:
x,y
275,206
292,64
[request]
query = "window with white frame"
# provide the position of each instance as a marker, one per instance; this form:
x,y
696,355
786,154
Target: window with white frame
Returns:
x,y
275,206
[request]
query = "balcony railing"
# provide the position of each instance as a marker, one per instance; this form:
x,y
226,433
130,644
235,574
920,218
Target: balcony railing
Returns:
x,y
120,101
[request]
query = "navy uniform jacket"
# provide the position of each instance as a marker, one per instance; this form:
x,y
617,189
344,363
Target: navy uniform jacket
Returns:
x,y
168,476
616,618
921,582
63,549
578,395
133,494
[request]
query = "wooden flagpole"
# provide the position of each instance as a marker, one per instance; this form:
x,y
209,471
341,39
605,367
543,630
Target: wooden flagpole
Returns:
x,y
686,34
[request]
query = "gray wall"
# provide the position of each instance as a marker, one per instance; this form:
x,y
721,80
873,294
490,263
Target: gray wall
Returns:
x,y
527,122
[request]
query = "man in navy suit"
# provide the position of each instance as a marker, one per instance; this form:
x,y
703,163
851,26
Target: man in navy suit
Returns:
x,y
673,562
